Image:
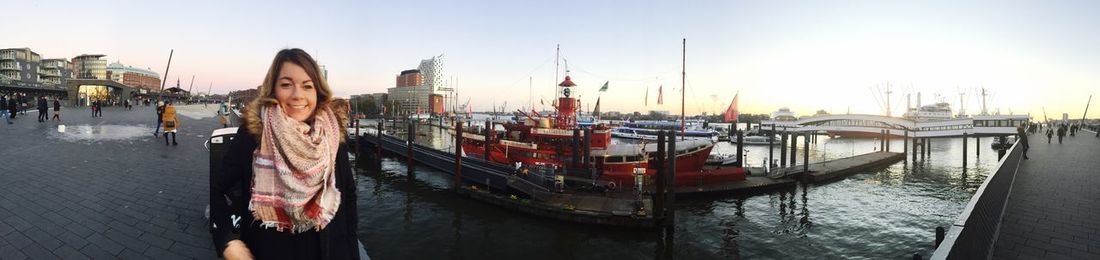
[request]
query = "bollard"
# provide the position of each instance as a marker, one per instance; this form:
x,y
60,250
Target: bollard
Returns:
x,y
458,155
659,193
940,234
740,148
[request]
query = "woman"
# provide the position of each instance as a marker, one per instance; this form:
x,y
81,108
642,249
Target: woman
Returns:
x,y
170,122
56,109
290,128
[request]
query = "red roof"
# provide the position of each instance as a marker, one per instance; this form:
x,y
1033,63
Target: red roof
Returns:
x,y
567,83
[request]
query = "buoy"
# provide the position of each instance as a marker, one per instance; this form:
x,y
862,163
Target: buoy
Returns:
x,y
60,128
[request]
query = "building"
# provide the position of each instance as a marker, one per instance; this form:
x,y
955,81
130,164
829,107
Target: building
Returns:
x,y
19,64
90,66
420,90
134,77
244,96
55,71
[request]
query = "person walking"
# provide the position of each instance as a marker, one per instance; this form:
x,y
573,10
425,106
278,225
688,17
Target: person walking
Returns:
x,y
56,109
170,123
1021,137
23,104
13,106
4,108
1049,134
291,155
160,117
43,109
1061,132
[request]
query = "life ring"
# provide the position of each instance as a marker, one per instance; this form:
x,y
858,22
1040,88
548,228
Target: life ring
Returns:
x,y
612,186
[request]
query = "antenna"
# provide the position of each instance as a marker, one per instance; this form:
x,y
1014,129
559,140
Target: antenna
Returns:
x,y
888,92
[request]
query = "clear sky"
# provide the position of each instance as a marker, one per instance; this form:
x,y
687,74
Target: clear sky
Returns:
x,y
806,55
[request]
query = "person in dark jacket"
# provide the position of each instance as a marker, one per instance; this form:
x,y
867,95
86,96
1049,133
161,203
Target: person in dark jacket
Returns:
x,y
43,109
160,117
310,214
56,109
1061,132
13,106
1021,136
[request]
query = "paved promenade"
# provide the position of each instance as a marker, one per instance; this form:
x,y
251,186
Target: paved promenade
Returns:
x,y
106,190
1053,211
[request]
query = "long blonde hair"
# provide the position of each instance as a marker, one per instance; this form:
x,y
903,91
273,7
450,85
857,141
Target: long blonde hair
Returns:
x,y
266,95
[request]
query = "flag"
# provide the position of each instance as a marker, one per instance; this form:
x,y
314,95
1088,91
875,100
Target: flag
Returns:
x,y
660,95
647,96
731,112
604,88
596,111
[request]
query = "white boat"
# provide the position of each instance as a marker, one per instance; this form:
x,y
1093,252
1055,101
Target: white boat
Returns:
x,y
651,134
721,159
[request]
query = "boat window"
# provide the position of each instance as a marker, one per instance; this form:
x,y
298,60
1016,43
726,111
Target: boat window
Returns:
x,y
614,159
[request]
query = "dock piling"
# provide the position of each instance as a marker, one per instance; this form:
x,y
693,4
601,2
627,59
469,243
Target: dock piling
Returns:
x,y
783,149
806,154
964,149
771,149
378,145
740,148
794,148
887,140
670,180
659,193
488,138
940,234
411,137
905,143
977,147
458,155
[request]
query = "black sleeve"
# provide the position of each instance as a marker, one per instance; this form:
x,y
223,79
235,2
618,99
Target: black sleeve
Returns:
x,y
236,165
348,198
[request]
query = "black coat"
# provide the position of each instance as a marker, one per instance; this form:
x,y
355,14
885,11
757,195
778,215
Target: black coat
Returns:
x,y
338,240
43,104
13,105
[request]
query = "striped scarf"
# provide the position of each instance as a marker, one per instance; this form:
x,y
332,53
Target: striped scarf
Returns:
x,y
293,182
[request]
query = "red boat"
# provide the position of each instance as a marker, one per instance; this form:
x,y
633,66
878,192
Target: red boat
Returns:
x,y
553,140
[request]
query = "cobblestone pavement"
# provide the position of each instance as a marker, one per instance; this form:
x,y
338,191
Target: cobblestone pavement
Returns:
x,y
1053,211
106,189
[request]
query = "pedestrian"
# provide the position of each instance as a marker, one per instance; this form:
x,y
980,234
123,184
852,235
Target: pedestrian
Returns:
x,y
310,211
4,108
1061,132
13,105
94,104
160,117
1049,134
170,122
23,103
1021,137
223,115
43,109
56,109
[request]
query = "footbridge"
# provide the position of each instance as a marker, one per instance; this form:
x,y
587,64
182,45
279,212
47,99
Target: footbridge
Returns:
x,y
873,125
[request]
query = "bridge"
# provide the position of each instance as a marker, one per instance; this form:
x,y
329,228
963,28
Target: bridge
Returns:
x,y
873,125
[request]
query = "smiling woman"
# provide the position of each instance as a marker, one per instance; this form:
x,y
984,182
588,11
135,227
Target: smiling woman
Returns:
x,y
291,128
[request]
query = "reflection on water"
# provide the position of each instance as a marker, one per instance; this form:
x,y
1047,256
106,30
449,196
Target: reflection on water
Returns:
x,y
885,213
101,132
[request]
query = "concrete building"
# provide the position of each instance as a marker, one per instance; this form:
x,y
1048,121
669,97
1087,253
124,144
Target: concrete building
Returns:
x,y
19,64
90,66
134,77
55,71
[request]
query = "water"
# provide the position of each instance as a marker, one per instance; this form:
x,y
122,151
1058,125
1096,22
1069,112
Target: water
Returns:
x,y
88,133
886,213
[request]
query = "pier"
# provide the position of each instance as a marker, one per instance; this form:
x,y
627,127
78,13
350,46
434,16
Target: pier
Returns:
x,y
1042,208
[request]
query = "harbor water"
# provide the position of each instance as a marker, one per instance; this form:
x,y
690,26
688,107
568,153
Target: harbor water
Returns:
x,y
885,213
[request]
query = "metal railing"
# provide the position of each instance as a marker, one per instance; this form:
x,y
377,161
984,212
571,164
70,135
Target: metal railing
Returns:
x,y
974,232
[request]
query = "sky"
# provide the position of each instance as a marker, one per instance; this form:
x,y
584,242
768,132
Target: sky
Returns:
x,y
837,56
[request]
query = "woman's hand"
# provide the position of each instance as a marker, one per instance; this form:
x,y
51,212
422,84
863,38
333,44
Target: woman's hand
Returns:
x,y
235,250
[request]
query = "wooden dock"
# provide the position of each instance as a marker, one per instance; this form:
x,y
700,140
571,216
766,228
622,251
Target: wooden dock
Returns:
x,y
838,168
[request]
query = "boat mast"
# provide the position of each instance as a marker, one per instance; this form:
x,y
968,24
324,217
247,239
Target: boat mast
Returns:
x,y
984,111
1086,110
683,86
165,79
557,58
888,99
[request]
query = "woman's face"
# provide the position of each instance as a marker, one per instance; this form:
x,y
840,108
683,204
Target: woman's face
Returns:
x,y
295,92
